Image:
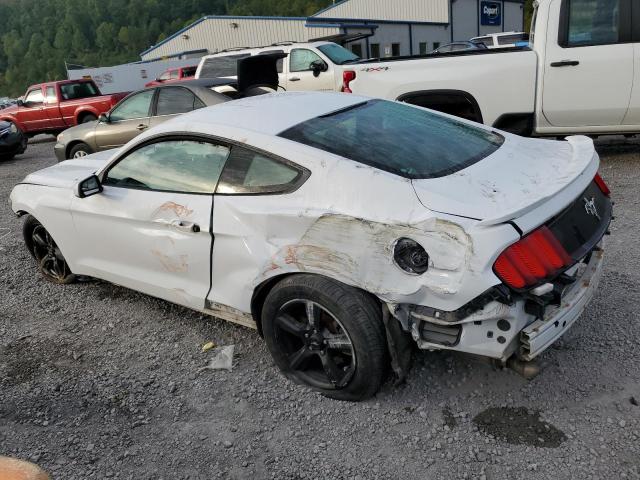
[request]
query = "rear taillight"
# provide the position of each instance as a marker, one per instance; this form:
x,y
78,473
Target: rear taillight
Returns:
x,y
348,76
531,260
601,185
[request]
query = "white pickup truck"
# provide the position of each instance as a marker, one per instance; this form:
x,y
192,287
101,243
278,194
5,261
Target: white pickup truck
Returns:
x,y
580,74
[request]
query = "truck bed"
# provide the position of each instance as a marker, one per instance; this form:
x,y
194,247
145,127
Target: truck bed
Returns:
x,y
500,81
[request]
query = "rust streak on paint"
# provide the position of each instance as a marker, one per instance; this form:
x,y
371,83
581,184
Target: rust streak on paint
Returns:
x,y
178,210
176,264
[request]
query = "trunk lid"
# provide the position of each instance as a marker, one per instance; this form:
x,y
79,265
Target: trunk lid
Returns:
x,y
526,181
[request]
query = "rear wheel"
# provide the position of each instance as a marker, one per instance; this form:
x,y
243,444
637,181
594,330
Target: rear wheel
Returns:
x,y
44,249
327,336
80,150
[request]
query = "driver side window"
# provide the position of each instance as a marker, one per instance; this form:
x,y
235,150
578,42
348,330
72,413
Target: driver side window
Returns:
x,y
184,166
34,97
136,106
301,59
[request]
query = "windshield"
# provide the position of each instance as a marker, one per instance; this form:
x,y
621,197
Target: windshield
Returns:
x,y
337,54
398,138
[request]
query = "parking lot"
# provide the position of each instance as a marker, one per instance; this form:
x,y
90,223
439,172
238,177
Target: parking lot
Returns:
x,y
97,381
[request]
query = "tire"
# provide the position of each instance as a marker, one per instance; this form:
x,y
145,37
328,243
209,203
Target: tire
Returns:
x,y
343,353
87,117
43,248
79,150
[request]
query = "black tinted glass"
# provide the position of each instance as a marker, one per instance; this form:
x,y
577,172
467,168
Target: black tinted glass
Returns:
x,y
398,138
223,66
174,100
72,91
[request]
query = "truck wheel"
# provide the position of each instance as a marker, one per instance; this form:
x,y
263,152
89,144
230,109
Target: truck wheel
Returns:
x,y
88,117
44,249
79,150
327,336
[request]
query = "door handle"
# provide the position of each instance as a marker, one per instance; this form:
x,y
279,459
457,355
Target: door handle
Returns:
x,y
142,126
182,225
294,79
566,63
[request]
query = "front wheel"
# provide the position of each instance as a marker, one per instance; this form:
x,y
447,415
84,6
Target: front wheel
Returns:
x,y
89,117
44,249
80,150
327,336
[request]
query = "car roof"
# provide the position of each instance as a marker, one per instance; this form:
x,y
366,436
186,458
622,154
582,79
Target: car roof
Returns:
x,y
268,114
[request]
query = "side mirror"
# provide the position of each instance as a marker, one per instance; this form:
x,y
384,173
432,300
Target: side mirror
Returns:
x,y
89,186
318,66
103,118
19,103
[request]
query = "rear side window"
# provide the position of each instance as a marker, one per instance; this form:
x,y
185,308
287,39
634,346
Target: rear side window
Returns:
x,y
71,91
398,138
593,22
174,100
185,166
223,66
249,172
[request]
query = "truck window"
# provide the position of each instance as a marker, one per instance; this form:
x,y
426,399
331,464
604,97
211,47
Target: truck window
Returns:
x,y
174,75
71,91
188,72
34,96
51,95
417,143
222,66
300,59
512,39
593,22
165,76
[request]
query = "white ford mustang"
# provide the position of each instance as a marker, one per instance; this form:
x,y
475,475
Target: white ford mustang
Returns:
x,y
335,224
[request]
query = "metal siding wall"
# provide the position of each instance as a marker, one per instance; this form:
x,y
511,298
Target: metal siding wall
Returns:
x,y
217,34
465,19
429,34
513,17
401,10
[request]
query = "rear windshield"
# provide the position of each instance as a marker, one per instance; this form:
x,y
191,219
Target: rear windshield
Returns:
x,y
401,139
223,66
71,91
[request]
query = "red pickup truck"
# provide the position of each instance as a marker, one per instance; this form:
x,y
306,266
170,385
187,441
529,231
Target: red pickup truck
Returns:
x,y
173,75
54,106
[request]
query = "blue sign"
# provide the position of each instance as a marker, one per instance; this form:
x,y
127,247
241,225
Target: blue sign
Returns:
x,y
490,13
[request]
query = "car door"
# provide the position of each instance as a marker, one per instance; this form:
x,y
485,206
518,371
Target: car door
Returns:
x,y
172,101
633,115
126,120
52,107
588,70
150,227
301,76
31,115
250,213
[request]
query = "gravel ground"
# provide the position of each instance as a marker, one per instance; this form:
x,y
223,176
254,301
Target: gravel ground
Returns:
x,y
97,381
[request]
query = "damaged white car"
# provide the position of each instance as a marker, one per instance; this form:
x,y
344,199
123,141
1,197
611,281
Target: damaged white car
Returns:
x,y
338,226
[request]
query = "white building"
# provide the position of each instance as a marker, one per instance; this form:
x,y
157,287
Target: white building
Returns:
x,y
371,28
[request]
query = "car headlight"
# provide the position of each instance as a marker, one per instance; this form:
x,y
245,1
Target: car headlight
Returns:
x,y
13,128
410,256
59,137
